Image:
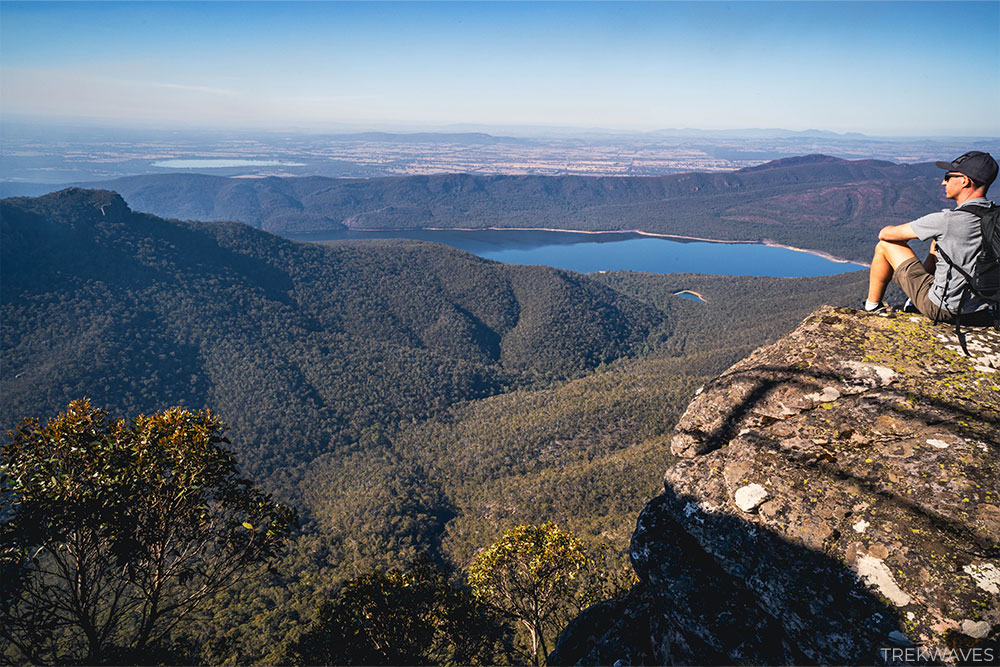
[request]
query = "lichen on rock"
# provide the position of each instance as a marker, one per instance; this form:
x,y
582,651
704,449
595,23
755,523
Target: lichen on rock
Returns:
x,y
852,474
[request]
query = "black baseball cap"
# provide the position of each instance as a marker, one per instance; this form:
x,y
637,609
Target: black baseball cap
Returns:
x,y
979,166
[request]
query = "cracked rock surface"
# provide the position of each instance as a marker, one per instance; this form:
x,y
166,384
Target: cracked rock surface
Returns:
x,y
835,495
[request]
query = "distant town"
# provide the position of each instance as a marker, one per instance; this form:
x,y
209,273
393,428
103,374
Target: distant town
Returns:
x,y
34,155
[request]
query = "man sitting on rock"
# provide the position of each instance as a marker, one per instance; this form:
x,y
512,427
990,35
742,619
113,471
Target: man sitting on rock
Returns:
x,y
933,287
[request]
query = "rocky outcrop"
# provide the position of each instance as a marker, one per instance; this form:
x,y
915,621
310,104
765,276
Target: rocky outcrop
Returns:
x,y
835,500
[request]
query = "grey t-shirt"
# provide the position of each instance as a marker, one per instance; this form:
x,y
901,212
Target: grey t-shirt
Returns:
x,y
959,234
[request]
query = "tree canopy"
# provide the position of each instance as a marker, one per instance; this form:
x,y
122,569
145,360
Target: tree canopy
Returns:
x,y
115,530
410,616
531,574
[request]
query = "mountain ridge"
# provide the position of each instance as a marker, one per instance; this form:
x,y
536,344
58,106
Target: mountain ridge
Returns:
x,y
814,158
814,202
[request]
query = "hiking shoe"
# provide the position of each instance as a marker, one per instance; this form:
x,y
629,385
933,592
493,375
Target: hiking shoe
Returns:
x,y
881,308
908,307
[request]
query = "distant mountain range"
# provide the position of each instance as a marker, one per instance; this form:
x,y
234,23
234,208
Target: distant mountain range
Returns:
x,y
762,133
553,131
816,201
473,138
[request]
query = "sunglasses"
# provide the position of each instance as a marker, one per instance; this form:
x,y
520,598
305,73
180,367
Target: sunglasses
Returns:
x,y
951,176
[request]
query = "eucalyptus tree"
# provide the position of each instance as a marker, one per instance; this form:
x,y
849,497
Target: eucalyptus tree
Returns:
x,y
114,531
531,575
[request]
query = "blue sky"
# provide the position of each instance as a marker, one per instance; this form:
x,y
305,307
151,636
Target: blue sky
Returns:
x,y
896,68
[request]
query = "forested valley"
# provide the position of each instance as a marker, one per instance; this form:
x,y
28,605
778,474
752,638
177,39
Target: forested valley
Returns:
x,y
411,401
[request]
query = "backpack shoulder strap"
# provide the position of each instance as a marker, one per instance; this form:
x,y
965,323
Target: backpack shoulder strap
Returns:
x,y
978,210
943,255
988,218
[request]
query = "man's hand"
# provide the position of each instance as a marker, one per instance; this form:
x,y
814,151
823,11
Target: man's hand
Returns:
x,y
897,233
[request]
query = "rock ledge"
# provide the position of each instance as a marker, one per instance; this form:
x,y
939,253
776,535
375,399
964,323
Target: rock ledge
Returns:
x,y
836,495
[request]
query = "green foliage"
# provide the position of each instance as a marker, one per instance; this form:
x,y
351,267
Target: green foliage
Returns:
x,y
403,617
531,574
741,313
137,312
114,531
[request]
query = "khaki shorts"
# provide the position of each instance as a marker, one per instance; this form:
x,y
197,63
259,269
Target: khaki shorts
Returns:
x,y
916,283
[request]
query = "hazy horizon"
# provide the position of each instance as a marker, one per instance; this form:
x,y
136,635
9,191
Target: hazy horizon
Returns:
x,y
525,130
585,67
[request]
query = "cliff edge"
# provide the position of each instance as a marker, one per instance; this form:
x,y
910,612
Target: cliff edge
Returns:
x,y
835,500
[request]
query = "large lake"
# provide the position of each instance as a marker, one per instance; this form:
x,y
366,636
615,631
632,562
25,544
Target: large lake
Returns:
x,y
624,251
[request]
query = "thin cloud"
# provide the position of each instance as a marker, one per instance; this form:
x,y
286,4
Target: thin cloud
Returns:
x,y
330,99
70,91
176,86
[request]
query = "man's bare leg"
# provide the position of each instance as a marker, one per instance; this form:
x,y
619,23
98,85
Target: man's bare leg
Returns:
x,y
888,255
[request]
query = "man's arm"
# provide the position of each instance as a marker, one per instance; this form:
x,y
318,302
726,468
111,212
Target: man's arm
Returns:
x,y
904,233
897,233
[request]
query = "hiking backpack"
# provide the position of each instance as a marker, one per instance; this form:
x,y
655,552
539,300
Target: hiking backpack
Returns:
x,y
984,282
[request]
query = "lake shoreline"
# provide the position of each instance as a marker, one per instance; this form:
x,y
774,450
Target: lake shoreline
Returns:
x,y
697,295
304,236
770,244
